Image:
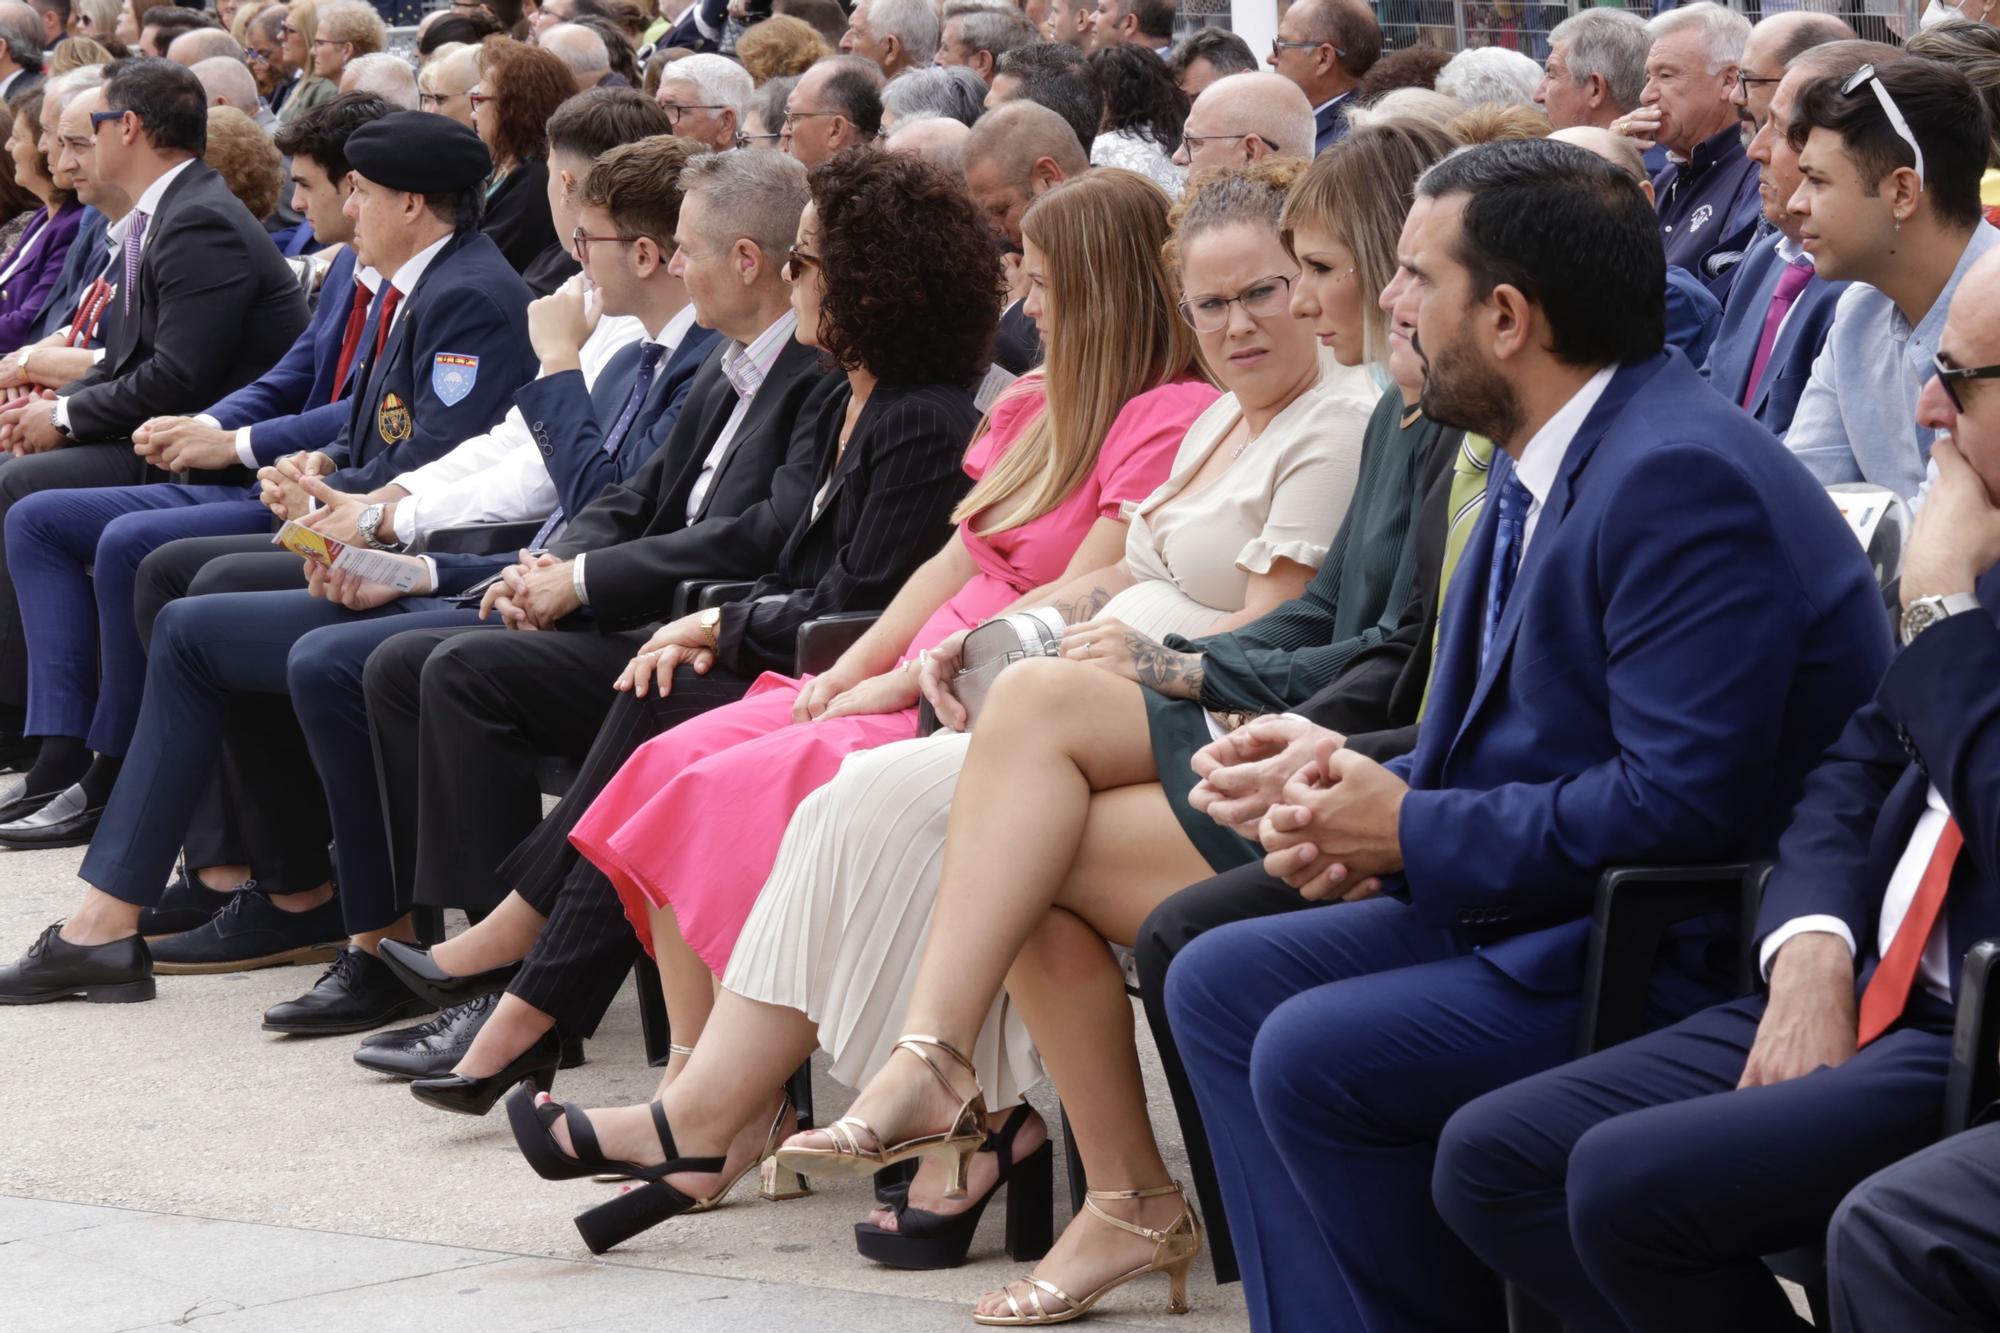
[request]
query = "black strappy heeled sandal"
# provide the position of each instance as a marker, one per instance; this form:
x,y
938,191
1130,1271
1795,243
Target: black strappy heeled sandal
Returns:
x,y
927,1240
652,1201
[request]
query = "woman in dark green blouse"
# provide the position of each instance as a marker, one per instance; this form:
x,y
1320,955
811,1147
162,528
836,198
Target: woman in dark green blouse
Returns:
x,y
1061,832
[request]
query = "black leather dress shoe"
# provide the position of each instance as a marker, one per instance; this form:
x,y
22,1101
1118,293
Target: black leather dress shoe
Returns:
x,y
252,932
431,1049
120,972
475,1096
26,803
188,904
413,967
356,994
68,820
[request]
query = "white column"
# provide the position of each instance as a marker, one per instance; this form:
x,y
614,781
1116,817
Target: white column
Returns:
x,y
1256,22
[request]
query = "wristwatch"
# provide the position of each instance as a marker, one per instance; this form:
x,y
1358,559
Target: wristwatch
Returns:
x,y
711,625
55,419
1921,614
366,526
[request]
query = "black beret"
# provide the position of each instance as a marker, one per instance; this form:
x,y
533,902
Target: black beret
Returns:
x,y
419,152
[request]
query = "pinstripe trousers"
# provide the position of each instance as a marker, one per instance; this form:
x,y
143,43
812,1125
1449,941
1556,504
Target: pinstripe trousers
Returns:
x,y
587,945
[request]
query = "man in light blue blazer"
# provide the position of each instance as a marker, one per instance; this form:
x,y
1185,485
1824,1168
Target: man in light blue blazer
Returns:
x,y
1658,625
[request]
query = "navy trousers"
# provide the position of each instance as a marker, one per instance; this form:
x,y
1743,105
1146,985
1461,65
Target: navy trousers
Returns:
x,y
74,556
1326,1050
1639,1189
204,650
1918,1245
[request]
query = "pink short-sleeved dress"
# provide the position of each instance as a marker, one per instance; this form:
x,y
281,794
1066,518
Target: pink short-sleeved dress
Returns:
x,y
693,820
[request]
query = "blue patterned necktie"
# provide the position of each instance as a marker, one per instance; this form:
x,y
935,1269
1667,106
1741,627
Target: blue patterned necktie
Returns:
x,y
133,239
1510,528
650,355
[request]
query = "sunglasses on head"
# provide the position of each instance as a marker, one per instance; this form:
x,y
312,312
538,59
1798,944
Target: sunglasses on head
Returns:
x,y
1866,75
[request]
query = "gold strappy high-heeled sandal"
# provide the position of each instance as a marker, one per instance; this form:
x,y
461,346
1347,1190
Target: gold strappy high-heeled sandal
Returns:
x,y
956,1145
1173,1254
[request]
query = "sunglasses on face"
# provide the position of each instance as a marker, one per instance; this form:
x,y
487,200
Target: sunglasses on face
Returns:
x,y
797,261
1950,375
99,118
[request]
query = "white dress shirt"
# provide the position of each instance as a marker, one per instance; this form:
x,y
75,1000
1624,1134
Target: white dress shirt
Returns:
x,y
149,204
1542,458
1934,970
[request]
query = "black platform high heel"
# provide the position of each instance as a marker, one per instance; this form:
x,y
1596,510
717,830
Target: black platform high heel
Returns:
x,y
927,1240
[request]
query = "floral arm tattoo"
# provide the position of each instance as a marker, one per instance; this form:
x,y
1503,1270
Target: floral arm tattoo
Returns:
x,y
1162,670
1083,608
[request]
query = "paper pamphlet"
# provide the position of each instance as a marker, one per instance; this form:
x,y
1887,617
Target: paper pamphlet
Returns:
x,y
374,566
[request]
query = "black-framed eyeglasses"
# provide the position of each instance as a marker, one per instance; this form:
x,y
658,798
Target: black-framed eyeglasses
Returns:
x,y
797,261
792,117
579,243
99,118
1280,44
1949,375
745,140
1745,82
1193,142
1866,76
1266,298
675,110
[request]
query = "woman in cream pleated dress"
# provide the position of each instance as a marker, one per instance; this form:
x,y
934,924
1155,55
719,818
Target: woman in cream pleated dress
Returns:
x,y
1258,488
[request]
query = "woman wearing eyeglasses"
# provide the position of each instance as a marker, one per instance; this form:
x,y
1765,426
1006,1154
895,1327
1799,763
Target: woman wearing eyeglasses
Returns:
x,y
29,271
297,38
1258,483
519,88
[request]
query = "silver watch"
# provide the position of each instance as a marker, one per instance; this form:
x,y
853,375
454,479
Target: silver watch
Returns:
x,y
1921,614
55,420
368,524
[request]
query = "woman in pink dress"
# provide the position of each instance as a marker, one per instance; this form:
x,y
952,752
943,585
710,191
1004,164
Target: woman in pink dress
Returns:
x,y
689,828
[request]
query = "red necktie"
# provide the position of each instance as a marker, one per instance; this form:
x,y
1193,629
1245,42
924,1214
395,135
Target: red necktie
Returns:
x,y
388,317
1790,283
350,341
1889,989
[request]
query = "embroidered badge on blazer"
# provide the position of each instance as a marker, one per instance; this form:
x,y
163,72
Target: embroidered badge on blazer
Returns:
x,y
392,420
452,376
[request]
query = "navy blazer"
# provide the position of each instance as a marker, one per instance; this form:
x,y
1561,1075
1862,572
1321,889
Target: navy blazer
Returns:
x,y
454,358
1932,721
1692,625
1735,348
1330,123
569,424
86,259
292,406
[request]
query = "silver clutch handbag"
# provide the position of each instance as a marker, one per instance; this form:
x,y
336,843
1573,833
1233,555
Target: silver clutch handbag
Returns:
x,y
991,649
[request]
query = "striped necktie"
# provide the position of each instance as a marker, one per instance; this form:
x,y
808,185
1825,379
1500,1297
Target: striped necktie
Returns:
x,y
133,242
649,364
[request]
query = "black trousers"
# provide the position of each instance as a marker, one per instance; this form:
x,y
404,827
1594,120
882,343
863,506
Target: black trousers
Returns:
x,y
1917,1245
1236,895
263,807
70,468
458,717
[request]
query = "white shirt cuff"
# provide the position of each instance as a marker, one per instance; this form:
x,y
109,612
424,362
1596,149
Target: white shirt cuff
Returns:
x,y
96,355
62,414
1800,925
432,566
244,453
576,580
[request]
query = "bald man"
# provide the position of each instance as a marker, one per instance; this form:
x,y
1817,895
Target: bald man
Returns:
x,y
1244,118
589,60
939,140
1693,312
191,48
1775,43
1014,155
230,83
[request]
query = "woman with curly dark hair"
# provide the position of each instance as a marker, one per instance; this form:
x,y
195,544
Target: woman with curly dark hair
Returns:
x,y
519,88
1144,110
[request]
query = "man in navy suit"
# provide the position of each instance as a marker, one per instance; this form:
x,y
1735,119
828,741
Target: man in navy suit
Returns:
x,y
1667,622
74,553
1779,310
1658,1172
1325,47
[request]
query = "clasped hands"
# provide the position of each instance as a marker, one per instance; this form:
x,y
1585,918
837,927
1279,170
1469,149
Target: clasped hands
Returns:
x,y
25,427
683,642
182,444
1327,818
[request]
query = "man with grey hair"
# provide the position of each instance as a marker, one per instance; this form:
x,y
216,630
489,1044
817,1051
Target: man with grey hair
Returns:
x,y
230,83
1490,76
704,97
388,77
20,48
939,140
588,58
1707,194
894,34
952,91
191,48
1596,68
978,32
1245,118
103,203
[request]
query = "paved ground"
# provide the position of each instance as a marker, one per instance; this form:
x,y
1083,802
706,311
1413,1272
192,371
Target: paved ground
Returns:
x,y
233,1180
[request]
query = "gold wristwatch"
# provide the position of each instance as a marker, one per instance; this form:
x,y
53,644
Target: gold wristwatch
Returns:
x,y
711,625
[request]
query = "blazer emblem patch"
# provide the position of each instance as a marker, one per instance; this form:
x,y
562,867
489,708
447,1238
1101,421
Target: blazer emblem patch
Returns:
x,y
392,420
452,376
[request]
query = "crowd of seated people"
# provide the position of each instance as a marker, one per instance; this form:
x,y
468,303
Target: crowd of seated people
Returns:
x,y
1401,483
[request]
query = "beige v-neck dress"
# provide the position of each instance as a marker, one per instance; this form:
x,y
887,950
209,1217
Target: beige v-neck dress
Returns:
x,y
842,920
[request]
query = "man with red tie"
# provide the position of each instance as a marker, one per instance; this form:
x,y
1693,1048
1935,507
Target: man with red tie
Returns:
x,y
1638,1188
76,553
